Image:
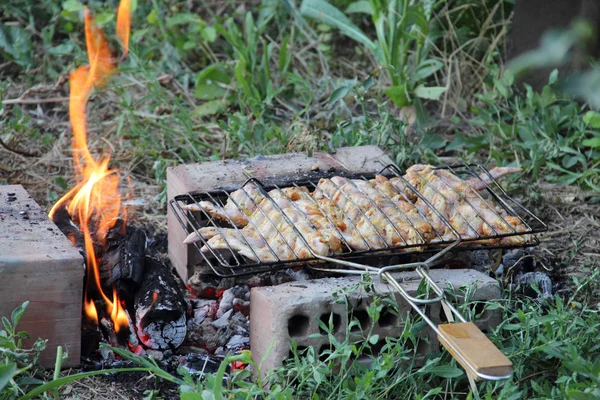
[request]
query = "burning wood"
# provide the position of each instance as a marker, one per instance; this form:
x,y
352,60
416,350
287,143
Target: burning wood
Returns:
x,y
124,259
160,308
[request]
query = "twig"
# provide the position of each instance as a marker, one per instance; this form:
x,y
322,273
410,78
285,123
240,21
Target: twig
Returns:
x,y
19,152
35,101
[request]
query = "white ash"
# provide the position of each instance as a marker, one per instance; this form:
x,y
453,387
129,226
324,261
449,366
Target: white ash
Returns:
x,y
531,280
223,320
155,354
238,343
107,355
229,295
201,309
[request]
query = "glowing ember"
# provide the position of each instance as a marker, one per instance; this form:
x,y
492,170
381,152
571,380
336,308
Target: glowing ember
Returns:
x,y
95,202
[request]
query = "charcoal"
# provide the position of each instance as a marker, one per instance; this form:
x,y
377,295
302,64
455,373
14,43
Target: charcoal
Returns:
x,y
543,282
243,306
200,364
239,324
299,275
124,259
237,342
202,311
160,308
514,259
205,336
229,295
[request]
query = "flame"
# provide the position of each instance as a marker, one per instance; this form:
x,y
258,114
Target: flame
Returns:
x,y
124,24
118,315
95,202
90,310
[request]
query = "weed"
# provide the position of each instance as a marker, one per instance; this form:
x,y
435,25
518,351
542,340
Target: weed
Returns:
x,y
402,46
549,135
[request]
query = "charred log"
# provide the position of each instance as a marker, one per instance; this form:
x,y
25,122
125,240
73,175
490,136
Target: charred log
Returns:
x,y
124,258
160,308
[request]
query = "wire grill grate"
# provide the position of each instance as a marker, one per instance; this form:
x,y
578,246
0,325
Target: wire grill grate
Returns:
x,y
262,227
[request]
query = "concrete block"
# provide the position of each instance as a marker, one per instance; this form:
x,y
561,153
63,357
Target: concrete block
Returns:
x,y
291,311
40,265
232,174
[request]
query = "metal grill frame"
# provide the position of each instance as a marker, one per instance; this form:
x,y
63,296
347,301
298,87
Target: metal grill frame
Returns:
x,y
238,265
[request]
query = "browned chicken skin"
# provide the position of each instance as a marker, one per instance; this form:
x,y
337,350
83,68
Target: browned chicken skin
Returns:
x,y
358,214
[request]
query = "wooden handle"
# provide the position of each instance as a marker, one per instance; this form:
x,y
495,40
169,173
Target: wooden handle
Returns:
x,y
466,340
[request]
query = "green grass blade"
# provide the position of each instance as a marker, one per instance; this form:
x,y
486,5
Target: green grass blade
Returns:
x,y
328,14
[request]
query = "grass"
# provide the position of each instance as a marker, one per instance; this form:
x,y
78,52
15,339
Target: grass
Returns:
x,y
231,79
553,345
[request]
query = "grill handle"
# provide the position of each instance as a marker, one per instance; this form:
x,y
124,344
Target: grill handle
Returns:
x,y
474,351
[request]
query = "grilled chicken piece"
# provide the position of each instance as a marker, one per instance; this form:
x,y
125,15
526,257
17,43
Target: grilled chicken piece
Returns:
x,y
460,203
236,210
376,215
269,236
361,214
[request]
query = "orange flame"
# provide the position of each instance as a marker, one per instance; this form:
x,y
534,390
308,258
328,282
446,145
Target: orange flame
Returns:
x,y
124,24
118,314
95,201
90,310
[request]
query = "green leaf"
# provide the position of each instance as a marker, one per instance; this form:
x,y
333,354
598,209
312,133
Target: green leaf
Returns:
x,y
191,396
9,328
553,77
427,69
361,6
284,57
209,108
72,6
209,91
431,92
445,371
209,34
374,339
182,19
592,118
6,373
16,315
328,14
338,94
593,142
398,95
152,17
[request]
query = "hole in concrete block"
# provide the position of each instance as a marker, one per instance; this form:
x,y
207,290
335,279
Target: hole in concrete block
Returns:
x,y
321,354
336,319
479,309
298,325
443,318
363,319
299,351
366,356
388,318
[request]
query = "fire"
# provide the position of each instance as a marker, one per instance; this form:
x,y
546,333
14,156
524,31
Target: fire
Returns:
x,y
95,202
